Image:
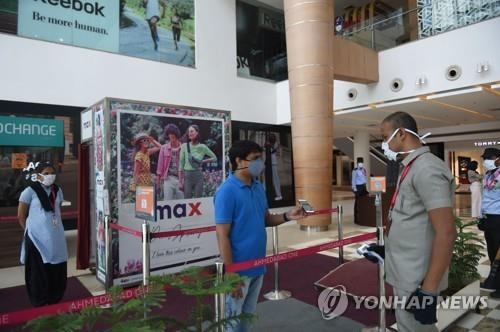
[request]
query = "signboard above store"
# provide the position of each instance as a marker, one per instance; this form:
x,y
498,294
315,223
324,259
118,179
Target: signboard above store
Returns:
x,y
488,143
86,123
18,131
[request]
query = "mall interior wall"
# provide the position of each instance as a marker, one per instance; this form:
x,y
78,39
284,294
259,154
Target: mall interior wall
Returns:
x,y
50,73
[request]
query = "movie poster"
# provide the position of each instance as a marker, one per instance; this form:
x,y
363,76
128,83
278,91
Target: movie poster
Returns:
x,y
276,142
181,152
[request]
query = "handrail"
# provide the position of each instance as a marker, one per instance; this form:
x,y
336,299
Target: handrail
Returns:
x,y
372,25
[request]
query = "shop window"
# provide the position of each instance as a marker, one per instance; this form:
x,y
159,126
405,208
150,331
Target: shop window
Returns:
x,y
17,154
261,45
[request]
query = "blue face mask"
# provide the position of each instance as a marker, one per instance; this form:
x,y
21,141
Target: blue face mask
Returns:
x,y
256,167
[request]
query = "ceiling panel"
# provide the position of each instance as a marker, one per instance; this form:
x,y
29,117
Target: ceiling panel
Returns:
x,y
467,106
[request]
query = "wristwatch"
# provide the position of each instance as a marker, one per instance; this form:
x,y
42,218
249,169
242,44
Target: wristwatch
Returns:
x,y
285,217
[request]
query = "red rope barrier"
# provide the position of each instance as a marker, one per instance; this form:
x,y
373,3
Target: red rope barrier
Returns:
x,y
298,253
127,230
324,211
183,232
19,317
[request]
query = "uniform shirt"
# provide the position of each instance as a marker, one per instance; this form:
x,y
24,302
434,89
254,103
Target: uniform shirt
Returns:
x,y
47,238
358,177
244,207
491,197
199,151
428,185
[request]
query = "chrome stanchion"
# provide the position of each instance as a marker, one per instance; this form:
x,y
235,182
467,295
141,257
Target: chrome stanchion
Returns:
x,y
340,227
276,294
145,258
108,280
219,297
381,272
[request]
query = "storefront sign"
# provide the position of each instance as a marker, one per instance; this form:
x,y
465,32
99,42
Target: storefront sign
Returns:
x,y
487,143
86,123
31,132
272,21
92,24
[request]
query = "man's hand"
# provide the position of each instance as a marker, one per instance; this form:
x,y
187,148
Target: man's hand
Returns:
x,y
423,306
237,291
296,213
379,250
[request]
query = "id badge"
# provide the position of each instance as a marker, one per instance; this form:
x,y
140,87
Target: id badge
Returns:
x,y
54,220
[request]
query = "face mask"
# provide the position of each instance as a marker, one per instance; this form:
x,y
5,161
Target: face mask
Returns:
x,y
256,167
48,179
393,155
489,164
360,165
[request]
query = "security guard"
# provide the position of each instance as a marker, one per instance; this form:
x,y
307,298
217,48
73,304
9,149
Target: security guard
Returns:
x,y
421,232
359,178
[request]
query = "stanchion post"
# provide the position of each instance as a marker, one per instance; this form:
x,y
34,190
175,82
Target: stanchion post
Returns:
x,y
340,227
382,325
108,281
219,297
276,294
145,258
145,253
381,270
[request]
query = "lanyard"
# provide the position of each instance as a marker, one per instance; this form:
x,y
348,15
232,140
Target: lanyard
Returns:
x,y
52,198
405,172
490,179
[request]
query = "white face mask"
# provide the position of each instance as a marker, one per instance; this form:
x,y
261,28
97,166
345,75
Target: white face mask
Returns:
x,y
48,180
393,155
360,165
489,164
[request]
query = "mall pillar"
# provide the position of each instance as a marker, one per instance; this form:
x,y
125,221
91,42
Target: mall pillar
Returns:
x,y
362,149
309,38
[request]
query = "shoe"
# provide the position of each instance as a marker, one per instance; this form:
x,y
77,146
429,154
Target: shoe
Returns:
x,y
493,279
279,198
156,47
495,294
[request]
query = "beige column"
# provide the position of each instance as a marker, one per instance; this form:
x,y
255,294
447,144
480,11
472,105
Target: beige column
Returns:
x,y
309,38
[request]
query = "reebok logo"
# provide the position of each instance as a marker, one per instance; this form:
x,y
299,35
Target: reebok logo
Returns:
x,y
179,210
77,5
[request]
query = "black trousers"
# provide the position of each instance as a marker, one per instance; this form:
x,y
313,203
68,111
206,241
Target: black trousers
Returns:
x,y
492,235
45,283
360,192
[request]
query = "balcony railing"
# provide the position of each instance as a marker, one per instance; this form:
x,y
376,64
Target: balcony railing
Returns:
x,y
428,19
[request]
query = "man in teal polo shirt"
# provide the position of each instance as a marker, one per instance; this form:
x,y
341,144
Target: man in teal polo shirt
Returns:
x,y
241,216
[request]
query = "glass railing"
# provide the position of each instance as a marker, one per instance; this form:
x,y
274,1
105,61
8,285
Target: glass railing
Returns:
x,y
428,19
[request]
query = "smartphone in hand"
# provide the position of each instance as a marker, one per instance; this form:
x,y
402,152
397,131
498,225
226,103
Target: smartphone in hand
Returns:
x,y
305,206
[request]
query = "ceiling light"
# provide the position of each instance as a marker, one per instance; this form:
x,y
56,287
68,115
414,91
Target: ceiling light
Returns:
x,y
483,67
421,80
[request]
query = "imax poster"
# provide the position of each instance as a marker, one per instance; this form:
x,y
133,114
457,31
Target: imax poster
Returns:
x,y
181,153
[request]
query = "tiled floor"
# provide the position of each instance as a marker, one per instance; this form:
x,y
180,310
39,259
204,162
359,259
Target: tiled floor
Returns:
x,y
290,238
